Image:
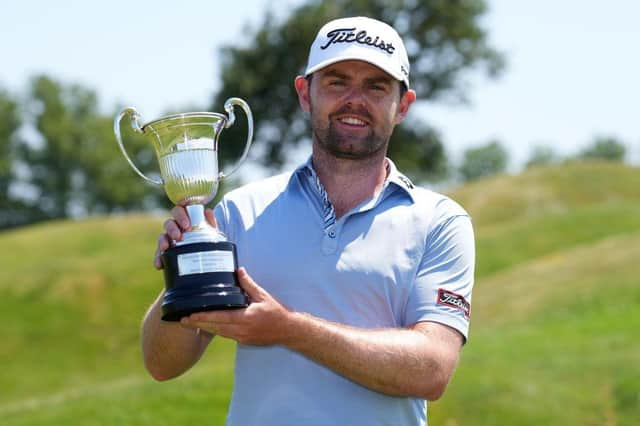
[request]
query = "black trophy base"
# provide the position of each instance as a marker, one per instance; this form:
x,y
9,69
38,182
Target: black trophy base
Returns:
x,y
201,277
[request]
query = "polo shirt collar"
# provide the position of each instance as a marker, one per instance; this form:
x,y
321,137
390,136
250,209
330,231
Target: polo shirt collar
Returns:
x,y
394,178
399,180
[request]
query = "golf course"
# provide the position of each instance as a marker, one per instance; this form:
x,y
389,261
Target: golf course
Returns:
x,y
554,320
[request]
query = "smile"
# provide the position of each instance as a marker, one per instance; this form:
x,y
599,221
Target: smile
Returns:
x,y
353,121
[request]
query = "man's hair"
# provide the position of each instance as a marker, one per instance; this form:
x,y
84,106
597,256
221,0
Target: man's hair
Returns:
x,y
402,91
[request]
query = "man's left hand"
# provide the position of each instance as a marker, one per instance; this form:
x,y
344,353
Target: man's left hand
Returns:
x,y
262,323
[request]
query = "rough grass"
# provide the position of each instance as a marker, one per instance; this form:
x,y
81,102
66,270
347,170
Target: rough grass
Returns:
x,y
554,342
554,317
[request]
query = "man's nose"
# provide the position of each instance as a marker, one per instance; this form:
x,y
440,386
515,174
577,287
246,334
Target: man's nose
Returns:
x,y
356,96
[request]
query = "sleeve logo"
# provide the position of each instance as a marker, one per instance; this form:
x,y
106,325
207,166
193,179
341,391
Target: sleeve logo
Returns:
x,y
453,300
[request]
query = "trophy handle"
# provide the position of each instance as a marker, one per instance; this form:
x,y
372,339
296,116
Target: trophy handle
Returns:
x,y
135,125
228,106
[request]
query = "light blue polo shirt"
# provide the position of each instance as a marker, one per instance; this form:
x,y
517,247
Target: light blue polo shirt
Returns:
x,y
405,256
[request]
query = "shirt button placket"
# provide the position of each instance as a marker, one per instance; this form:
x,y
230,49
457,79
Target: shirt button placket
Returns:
x,y
330,241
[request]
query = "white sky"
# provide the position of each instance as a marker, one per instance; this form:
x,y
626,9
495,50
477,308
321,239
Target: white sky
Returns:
x,y
572,73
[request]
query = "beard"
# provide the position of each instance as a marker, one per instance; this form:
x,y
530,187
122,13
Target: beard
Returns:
x,y
344,144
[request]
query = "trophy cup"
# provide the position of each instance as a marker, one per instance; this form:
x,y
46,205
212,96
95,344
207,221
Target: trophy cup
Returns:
x,y
199,270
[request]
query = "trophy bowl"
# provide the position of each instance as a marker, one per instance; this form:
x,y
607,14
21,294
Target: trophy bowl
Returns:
x,y
199,270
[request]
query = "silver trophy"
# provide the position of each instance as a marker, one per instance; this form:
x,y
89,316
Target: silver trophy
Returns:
x,y
199,270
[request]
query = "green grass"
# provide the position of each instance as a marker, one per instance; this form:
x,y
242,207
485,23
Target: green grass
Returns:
x,y
554,318
554,342
73,297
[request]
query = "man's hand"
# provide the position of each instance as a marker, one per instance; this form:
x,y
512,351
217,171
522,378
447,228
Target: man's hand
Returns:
x,y
173,230
263,322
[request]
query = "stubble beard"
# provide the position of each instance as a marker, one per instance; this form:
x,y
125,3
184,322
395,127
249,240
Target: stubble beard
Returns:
x,y
343,146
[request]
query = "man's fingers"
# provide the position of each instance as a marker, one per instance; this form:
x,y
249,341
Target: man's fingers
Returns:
x,y
163,244
157,261
173,229
180,215
212,329
210,317
255,292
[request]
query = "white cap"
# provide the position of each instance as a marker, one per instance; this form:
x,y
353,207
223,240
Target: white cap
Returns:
x,y
362,39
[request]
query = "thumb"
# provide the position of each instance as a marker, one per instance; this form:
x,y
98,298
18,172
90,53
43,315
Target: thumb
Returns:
x,y
255,292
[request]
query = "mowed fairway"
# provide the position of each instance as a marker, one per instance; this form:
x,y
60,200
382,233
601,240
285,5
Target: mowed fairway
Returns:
x,y
555,315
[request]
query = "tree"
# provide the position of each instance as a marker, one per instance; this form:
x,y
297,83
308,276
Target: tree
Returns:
x,y
76,167
9,124
444,40
486,160
12,211
606,148
542,155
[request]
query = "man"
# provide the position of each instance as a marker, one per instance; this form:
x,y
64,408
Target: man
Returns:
x,y
359,281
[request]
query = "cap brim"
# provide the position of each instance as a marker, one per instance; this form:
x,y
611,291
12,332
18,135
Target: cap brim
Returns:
x,y
356,57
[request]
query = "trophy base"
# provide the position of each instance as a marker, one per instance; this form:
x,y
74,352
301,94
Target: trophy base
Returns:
x,y
174,311
201,277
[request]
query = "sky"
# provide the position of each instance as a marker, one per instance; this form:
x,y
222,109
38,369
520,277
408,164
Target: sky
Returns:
x,y
572,66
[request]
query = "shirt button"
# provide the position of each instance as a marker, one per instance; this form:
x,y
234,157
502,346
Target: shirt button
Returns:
x,y
332,234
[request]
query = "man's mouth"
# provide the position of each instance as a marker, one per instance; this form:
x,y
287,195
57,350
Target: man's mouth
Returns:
x,y
352,121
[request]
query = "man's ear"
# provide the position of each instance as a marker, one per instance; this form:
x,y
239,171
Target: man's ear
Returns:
x,y
302,88
408,98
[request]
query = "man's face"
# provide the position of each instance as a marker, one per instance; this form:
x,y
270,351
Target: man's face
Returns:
x,y
354,107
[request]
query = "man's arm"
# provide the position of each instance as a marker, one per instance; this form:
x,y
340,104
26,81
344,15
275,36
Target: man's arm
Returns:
x,y
417,362
169,349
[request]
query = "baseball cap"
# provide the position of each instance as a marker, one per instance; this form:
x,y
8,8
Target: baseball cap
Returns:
x,y
360,38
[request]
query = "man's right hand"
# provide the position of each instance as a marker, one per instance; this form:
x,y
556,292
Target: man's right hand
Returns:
x,y
174,227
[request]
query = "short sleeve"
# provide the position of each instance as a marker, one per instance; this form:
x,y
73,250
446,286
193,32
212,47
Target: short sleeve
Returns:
x,y
444,281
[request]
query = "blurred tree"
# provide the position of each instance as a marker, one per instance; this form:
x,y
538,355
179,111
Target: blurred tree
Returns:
x,y
542,155
12,210
606,148
486,160
110,184
76,167
9,125
444,40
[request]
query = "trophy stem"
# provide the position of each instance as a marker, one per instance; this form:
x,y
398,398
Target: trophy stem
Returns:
x,y
196,216
201,231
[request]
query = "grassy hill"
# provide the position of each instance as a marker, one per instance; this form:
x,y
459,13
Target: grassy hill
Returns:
x,y
554,317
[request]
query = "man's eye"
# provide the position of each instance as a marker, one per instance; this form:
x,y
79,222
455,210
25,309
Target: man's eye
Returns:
x,y
336,83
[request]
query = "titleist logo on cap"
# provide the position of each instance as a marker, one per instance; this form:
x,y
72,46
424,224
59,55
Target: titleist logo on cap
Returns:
x,y
360,39
349,35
